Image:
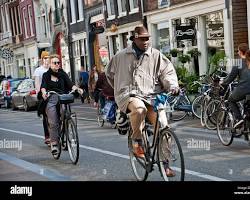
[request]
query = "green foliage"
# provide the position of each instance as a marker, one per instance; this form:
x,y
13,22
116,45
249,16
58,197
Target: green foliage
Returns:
x,y
184,58
167,55
215,61
174,52
186,79
194,52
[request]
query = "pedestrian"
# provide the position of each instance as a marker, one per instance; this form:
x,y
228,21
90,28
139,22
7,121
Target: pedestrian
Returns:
x,y
137,71
93,77
38,74
83,84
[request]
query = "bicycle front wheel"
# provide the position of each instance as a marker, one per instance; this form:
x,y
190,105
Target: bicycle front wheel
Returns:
x,y
72,141
138,165
225,127
170,156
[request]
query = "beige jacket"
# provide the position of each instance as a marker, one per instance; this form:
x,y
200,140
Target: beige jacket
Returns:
x,y
153,72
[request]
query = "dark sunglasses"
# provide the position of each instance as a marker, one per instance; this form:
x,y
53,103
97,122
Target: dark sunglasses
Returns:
x,y
144,38
56,63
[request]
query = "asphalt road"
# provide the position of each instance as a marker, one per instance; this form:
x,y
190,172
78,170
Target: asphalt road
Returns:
x,y
104,153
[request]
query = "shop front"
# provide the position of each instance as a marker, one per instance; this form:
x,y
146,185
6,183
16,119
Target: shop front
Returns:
x,y
118,36
203,26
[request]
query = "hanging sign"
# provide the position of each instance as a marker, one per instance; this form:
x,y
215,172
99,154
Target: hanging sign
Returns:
x,y
185,32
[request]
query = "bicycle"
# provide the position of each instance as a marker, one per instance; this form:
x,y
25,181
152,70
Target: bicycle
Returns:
x,y
68,137
225,123
164,149
102,113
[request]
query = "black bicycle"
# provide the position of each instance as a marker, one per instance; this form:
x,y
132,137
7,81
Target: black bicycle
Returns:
x,y
225,123
164,149
68,127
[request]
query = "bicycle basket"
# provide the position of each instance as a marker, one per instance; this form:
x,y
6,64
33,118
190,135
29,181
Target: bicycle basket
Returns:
x,y
66,98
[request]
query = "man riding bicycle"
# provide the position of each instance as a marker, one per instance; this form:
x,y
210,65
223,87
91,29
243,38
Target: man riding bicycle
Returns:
x,y
138,71
55,79
243,87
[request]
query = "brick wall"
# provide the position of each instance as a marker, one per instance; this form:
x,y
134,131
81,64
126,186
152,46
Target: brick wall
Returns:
x,y
239,17
150,5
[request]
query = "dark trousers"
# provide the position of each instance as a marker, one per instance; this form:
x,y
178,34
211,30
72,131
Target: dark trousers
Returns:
x,y
45,126
237,95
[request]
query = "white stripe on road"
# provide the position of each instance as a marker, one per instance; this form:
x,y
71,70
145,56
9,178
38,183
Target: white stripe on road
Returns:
x,y
194,173
48,173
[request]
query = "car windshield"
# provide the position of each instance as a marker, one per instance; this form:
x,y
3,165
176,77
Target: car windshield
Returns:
x,y
15,83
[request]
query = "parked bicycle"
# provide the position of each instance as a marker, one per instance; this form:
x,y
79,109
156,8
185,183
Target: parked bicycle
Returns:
x,y
163,150
68,127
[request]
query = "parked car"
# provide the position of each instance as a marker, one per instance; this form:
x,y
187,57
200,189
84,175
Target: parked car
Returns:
x,y
7,87
25,96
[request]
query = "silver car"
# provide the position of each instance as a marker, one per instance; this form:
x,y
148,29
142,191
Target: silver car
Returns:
x,y
25,96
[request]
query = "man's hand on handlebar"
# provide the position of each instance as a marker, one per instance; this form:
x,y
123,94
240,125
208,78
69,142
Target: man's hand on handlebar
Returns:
x,y
175,91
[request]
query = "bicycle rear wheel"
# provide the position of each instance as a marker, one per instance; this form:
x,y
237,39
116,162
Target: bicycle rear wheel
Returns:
x,y
139,165
225,127
169,154
72,141
211,112
196,106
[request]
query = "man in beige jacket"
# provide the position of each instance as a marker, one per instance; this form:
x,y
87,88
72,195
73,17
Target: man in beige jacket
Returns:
x,y
138,71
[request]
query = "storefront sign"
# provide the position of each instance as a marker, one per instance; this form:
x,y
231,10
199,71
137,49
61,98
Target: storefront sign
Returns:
x,y
6,53
185,32
215,31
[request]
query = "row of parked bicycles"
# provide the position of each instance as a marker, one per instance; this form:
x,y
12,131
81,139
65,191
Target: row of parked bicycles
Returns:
x,y
213,110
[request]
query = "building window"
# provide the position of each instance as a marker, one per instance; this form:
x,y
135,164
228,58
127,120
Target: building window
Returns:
x,y
57,12
110,9
4,19
72,11
133,5
115,43
121,8
125,40
79,10
30,20
25,23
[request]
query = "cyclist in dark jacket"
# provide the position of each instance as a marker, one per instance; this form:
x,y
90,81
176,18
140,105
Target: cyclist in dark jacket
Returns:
x,y
104,88
241,71
55,79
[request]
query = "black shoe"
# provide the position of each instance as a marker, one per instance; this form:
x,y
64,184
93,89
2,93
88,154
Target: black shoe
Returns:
x,y
238,123
54,149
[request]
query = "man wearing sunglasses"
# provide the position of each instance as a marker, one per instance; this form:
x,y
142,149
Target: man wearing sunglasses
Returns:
x,y
138,71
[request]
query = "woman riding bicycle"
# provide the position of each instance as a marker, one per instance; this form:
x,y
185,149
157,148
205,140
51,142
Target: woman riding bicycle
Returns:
x,y
55,79
243,86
